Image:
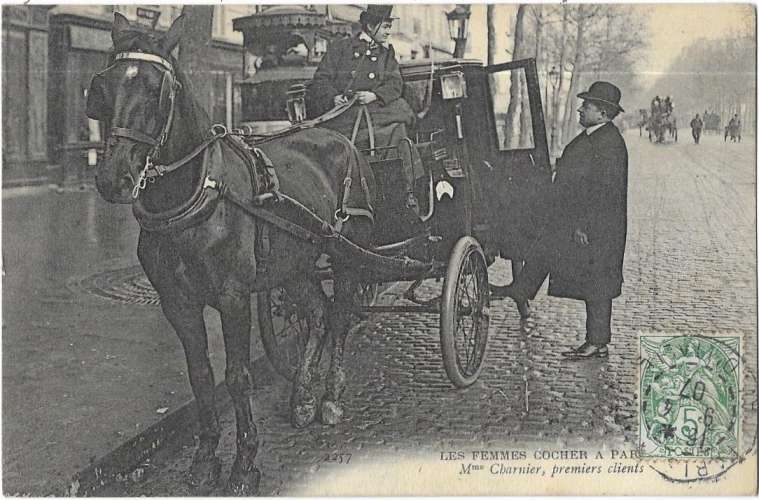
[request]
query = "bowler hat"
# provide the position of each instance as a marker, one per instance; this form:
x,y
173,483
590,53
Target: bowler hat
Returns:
x,y
375,14
604,92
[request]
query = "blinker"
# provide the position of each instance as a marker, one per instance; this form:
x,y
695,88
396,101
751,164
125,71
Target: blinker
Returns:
x,y
97,107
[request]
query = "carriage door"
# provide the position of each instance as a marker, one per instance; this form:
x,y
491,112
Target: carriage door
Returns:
x,y
519,164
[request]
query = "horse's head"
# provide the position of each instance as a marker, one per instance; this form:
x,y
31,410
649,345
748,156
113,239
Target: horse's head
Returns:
x,y
135,97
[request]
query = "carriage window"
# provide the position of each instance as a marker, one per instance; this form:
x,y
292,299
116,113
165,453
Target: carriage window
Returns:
x,y
511,109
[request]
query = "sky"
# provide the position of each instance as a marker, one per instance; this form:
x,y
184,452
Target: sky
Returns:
x,y
673,27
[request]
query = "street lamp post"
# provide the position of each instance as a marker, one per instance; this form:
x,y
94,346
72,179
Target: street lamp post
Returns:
x,y
458,28
553,76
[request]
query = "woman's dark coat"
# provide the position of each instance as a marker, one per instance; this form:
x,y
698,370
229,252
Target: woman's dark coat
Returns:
x,y
590,190
351,64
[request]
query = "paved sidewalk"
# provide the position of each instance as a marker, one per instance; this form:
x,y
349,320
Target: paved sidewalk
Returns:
x,y
86,366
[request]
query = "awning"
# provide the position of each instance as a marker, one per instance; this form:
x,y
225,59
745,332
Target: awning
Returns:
x,y
288,16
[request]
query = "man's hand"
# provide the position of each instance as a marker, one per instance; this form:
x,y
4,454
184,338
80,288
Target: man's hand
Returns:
x,y
340,100
580,237
366,97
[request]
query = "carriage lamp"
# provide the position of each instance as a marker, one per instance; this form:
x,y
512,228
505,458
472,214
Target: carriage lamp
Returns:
x,y
453,85
296,103
458,28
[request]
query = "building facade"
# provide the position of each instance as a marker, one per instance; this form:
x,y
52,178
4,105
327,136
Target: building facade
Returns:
x,y
51,52
25,84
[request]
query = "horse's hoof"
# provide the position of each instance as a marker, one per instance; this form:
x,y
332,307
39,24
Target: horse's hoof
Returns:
x,y
527,325
332,412
242,482
303,412
205,474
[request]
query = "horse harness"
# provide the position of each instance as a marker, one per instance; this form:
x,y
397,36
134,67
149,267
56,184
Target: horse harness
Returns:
x,y
263,192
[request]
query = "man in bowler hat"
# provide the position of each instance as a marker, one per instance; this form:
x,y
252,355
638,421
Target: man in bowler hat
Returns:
x,y
583,245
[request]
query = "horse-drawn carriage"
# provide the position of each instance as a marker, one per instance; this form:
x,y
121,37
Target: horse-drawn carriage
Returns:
x,y
480,198
662,125
228,212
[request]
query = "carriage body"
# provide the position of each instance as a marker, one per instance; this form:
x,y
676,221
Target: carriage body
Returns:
x,y
480,131
496,161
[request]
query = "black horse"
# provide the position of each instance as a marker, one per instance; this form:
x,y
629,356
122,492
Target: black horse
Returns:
x,y
200,246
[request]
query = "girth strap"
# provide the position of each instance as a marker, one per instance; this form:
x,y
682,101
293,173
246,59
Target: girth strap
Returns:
x,y
267,215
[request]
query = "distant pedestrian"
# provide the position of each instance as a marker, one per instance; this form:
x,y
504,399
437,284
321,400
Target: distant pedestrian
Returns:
x,y
696,125
583,245
733,129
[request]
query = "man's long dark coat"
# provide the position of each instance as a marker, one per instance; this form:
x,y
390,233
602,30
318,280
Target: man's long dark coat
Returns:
x,y
590,194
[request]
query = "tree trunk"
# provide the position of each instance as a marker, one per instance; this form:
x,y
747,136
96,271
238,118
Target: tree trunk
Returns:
x,y
570,118
491,33
513,121
555,123
538,33
193,52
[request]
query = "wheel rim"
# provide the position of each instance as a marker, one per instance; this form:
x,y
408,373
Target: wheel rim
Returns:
x,y
471,315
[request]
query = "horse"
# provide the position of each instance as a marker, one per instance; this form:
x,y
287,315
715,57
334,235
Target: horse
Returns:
x,y
199,245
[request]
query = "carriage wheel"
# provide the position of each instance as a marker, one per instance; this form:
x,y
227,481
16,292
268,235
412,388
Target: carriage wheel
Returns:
x,y
465,312
284,331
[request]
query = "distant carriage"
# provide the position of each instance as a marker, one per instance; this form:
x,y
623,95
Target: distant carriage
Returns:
x,y
712,123
661,126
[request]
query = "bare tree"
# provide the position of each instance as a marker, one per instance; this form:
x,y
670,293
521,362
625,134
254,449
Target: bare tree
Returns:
x,y
582,17
515,116
560,84
193,51
491,33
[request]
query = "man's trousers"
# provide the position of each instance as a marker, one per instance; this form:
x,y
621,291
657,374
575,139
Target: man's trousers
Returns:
x,y
598,311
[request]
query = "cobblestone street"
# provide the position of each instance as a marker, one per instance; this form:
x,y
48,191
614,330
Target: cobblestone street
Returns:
x,y
689,269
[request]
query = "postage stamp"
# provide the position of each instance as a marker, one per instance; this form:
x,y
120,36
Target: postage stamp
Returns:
x,y
689,397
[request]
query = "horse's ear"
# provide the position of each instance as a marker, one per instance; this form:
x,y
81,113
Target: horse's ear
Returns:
x,y
120,23
174,34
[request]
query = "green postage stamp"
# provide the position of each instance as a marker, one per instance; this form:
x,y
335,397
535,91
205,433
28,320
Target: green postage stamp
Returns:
x,y
689,397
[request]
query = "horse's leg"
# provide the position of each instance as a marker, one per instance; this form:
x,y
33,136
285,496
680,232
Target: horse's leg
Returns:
x,y
185,313
187,320
311,299
234,306
340,315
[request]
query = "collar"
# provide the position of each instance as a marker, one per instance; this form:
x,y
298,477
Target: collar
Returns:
x,y
365,37
592,129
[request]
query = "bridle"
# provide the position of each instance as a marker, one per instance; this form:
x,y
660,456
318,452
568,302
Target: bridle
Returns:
x,y
168,92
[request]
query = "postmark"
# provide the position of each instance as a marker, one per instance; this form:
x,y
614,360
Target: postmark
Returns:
x,y
690,405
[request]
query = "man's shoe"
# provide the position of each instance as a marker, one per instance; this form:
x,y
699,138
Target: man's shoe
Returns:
x,y
586,351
